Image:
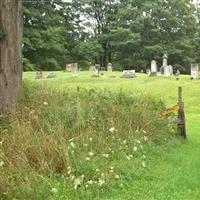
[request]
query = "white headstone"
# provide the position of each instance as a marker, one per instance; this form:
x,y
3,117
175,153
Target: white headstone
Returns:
x,y
171,70
153,66
75,70
128,74
194,71
165,60
109,67
167,71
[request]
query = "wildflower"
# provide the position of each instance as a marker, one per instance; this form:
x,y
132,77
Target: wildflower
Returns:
x,y
111,171
90,139
77,182
101,182
143,164
138,141
144,131
124,142
111,167
134,148
105,155
117,176
1,142
128,158
2,163
90,182
87,158
91,154
86,185
45,103
54,190
72,145
112,130
97,170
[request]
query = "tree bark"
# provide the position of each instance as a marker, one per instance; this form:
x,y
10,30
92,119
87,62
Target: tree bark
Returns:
x,y
10,53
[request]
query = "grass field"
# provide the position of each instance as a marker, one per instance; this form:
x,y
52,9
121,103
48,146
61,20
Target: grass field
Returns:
x,y
173,170
175,173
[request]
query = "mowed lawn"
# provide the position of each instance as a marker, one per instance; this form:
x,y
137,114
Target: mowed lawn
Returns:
x,y
175,173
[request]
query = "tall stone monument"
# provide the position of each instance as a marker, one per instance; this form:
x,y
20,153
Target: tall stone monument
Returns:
x,y
153,68
194,71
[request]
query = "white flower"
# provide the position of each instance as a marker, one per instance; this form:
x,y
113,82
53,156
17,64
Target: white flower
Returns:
x,y
91,154
117,176
105,155
111,171
1,142
134,148
77,182
124,142
144,131
145,138
86,185
90,182
138,141
111,167
54,190
87,158
143,164
45,103
72,145
97,170
90,139
101,182
128,158
112,130
2,163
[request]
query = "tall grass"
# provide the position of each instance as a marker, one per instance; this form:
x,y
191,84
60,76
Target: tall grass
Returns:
x,y
81,140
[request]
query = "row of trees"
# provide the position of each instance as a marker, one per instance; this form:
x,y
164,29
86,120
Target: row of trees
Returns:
x,y
128,33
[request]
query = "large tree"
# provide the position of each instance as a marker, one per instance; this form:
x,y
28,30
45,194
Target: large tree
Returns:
x,y
10,53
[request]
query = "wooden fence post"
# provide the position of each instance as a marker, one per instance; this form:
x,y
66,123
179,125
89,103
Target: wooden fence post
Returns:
x,y
181,115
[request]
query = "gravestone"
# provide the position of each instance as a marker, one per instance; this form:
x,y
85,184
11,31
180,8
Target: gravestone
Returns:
x,y
165,60
171,70
39,75
153,68
109,67
194,71
97,69
69,67
148,71
177,74
75,70
128,74
51,75
162,70
167,71
92,68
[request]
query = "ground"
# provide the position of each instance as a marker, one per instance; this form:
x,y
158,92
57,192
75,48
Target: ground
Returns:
x,y
176,173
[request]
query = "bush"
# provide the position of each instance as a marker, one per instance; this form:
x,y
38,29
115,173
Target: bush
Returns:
x,y
83,139
27,65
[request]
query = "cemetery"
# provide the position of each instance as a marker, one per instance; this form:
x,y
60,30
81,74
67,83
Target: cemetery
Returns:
x,y
99,100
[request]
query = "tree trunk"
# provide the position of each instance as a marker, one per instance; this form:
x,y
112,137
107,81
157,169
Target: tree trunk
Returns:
x,y
10,53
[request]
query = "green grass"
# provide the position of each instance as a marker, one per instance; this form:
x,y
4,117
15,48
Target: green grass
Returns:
x,y
173,168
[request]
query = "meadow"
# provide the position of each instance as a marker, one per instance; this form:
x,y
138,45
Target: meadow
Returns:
x,y
104,141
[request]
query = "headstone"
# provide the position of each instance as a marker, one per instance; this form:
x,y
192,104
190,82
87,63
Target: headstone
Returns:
x,y
148,72
177,74
51,75
109,67
153,68
165,60
162,70
69,67
128,74
167,71
97,69
39,75
75,70
92,68
194,71
171,70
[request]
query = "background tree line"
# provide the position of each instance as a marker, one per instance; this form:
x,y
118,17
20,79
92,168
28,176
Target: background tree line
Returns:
x,y
128,33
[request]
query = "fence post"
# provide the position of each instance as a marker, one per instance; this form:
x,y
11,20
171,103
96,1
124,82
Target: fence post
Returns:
x,y
181,115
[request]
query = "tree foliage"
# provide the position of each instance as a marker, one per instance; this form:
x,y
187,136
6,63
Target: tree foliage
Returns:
x,y
128,33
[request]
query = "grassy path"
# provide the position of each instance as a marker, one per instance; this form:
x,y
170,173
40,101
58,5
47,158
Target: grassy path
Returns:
x,y
175,175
